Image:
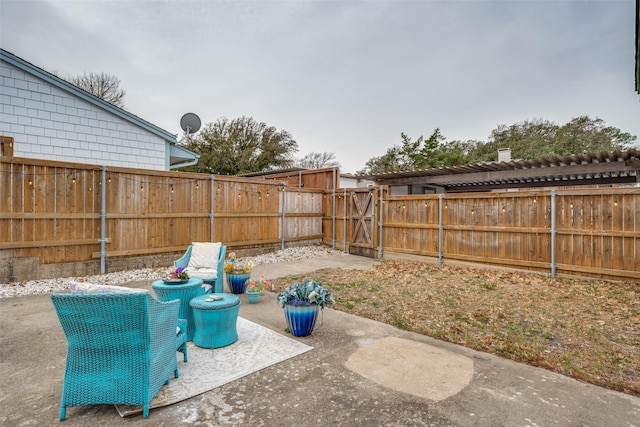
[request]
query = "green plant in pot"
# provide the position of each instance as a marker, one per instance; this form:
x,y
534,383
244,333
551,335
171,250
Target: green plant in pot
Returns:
x,y
255,288
301,303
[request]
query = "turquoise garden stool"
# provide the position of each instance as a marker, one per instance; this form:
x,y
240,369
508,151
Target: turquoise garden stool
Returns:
x,y
215,321
167,291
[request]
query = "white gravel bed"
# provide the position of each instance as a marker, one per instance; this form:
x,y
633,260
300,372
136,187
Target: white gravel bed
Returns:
x,y
45,286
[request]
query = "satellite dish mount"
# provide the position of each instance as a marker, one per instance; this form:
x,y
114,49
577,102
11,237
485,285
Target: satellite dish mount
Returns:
x,y
190,123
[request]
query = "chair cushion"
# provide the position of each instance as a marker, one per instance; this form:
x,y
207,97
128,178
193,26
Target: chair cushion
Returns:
x,y
91,288
204,255
203,273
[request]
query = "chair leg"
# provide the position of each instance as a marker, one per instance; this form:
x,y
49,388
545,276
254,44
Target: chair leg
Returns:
x,y
63,413
183,349
176,374
145,411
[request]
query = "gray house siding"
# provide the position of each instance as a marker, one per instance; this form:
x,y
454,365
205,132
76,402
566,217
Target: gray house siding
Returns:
x,y
51,119
47,122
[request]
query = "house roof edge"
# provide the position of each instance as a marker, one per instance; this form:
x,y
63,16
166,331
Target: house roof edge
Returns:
x,y
86,96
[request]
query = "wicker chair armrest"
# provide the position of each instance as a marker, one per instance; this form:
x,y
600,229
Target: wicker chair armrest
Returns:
x,y
220,276
182,324
183,261
164,314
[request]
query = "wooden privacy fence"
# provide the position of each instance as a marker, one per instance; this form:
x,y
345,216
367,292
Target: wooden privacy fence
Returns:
x,y
59,212
67,212
589,231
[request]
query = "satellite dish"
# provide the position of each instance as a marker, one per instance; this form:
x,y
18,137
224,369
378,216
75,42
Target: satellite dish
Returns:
x,y
190,123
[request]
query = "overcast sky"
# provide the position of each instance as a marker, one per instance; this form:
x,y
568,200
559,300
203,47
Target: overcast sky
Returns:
x,y
345,77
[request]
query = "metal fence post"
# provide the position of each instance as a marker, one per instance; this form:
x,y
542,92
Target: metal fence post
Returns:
x,y
284,189
380,223
440,230
344,222
333,214
553,233
213,207
103,220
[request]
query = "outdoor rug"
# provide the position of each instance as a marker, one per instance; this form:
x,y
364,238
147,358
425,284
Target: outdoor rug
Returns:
x,y
257,348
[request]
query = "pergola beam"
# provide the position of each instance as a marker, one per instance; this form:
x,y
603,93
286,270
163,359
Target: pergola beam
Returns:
x,y
555,172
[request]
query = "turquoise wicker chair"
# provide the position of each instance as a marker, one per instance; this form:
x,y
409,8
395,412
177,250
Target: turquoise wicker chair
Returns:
x,y
121,347
218,282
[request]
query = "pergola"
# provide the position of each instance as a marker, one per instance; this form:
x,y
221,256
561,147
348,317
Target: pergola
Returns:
x,y
606,168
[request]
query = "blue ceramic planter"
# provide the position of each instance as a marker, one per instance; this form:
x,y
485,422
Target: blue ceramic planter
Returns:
x,y
253,297
301,319
237,282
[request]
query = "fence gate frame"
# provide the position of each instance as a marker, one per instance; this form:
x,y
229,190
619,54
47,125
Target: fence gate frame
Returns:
x,y
363,221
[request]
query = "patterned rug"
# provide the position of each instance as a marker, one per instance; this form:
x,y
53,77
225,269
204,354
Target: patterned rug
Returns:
x,y
257,348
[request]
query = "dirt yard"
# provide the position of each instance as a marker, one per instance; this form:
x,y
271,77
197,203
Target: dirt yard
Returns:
x,y
586,329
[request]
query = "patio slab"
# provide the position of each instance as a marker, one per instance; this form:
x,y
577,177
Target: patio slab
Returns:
x,y
348,379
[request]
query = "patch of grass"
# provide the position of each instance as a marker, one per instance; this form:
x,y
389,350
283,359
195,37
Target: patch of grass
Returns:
x,y
399,322
346,285
440,334
451,302
586,329
460,317
481,317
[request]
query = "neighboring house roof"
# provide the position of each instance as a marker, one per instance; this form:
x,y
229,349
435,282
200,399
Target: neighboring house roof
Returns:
x,y
583,169
178,154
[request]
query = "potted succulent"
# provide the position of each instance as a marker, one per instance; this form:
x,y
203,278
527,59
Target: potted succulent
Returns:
x,y
177,275
255,288
237,274
301,303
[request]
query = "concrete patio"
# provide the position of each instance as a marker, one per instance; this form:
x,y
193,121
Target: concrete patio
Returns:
x,y
360,373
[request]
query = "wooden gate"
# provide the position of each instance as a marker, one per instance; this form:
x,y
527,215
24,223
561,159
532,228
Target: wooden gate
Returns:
x,y
363,223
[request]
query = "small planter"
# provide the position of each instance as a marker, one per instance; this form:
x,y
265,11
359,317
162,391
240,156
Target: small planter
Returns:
x,y
301,319
253,297
237,282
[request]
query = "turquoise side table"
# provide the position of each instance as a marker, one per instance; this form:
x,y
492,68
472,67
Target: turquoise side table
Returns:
x,y
215,320
184,292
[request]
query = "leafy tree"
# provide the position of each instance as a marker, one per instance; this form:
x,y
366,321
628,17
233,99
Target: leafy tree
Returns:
x,y
427,155
453,153
388,162
529,139
104,86
419,154
316,160
242,145
585,135
542,138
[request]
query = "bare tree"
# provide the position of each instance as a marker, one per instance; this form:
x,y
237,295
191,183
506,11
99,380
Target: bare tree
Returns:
x,y
315,160
104,86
